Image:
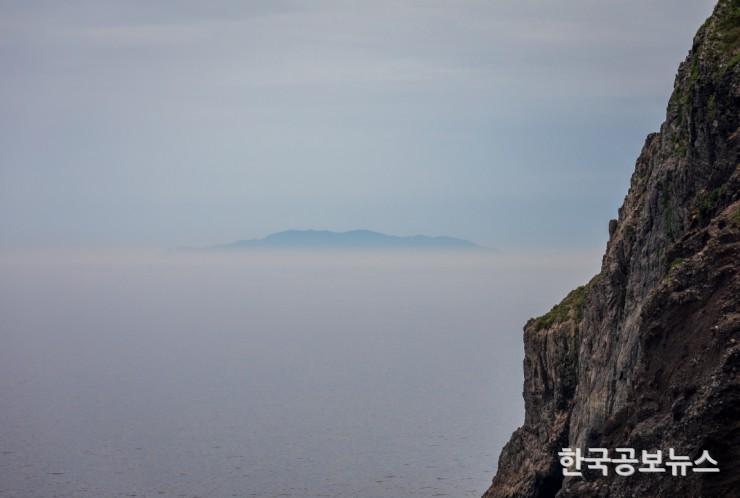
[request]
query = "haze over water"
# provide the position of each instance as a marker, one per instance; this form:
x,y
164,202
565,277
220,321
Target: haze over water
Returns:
x,y
265,374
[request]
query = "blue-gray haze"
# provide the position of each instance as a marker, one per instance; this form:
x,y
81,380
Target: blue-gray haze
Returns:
x,y
507,122
215,375
132,125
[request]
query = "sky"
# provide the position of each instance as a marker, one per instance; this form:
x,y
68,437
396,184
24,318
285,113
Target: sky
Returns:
x,y
512,123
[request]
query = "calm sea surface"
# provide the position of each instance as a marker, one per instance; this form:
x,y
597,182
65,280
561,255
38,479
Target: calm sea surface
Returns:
x,y
301,375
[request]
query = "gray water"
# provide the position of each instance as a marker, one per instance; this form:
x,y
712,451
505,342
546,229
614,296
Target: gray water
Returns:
x,y
302,375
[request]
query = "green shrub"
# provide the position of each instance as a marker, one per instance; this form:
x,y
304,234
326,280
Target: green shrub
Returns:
x,y
675,264
559,313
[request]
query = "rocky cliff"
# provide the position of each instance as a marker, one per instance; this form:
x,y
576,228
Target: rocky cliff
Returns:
x,y
647,354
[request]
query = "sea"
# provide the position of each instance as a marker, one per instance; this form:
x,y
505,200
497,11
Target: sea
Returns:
x,y
157,373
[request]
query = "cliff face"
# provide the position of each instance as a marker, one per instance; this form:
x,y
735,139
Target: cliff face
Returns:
x,y
647,354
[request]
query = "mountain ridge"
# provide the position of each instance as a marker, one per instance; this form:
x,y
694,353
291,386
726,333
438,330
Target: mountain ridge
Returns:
x,y
351,239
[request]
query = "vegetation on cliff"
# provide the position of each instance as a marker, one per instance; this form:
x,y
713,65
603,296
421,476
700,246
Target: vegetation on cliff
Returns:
x,y
570,308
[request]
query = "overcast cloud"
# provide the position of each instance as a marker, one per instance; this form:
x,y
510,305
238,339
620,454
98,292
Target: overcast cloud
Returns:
x,y
511,123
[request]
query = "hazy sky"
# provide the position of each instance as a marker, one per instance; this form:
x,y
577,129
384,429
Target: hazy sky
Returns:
x,y
511,122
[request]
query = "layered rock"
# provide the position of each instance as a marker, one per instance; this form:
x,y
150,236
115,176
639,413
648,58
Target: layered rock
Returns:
x,y
647,354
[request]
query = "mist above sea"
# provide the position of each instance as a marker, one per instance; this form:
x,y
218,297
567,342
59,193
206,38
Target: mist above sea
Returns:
x,y
368,374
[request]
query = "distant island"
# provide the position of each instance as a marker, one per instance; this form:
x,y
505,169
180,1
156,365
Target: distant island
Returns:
x,y
353,239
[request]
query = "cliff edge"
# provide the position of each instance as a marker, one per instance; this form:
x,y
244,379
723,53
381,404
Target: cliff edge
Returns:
x,y
647,354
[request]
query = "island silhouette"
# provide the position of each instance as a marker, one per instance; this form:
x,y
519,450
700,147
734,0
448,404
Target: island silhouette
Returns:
x,y
353,239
